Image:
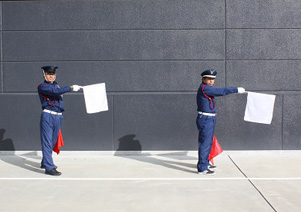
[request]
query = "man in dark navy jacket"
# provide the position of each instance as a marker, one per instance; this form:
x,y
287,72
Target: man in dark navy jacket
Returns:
x,y
50,94
206,117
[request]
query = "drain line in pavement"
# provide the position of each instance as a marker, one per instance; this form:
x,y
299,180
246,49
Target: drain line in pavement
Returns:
x,y
252,183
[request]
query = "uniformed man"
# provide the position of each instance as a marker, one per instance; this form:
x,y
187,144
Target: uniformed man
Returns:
x,y
206,117
50,94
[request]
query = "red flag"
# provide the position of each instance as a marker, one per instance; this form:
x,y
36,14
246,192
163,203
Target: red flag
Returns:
x,y
216,149
59,143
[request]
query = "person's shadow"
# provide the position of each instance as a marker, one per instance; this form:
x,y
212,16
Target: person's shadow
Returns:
x,y
7,145
127,143
130,148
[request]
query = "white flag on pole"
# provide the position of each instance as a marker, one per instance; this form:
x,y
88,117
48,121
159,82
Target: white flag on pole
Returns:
x,y
95,98
259,108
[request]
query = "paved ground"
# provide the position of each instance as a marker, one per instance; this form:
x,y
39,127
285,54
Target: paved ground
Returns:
x,y
151,181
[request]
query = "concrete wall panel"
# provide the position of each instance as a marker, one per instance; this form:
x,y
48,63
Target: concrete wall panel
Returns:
x,y
1,14
1,70
46,15
155,122
264,44
19,122
263,14
268,75
291,120
113,45
119,76
1,77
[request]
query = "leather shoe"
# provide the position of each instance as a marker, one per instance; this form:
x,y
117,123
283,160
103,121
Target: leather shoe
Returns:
x,y
207,172
53,172
43,166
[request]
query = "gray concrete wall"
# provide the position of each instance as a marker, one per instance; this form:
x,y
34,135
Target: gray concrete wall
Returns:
x,y
150,55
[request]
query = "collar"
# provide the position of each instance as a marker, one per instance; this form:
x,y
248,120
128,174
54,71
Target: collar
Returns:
x,y
54,82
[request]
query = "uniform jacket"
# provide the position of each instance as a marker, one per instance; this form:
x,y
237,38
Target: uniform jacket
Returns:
x,y
206,94
51,96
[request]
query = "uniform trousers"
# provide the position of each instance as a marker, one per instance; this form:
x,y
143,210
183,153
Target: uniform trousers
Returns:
x,y
206,125
50,126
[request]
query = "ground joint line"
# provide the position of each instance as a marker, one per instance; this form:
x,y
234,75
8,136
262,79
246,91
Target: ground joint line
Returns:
x,y
201,178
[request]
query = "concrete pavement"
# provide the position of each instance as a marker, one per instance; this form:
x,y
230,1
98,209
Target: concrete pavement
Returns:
x,y
151,181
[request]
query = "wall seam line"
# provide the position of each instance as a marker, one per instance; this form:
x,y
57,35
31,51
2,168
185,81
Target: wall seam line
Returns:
x,y
2,71
225,48
282,122
113,123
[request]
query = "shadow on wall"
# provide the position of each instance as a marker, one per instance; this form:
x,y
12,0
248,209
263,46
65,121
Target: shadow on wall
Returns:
x,y
6,144
127,143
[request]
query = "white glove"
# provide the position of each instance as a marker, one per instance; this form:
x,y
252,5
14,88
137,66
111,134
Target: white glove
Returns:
x,y
241,90
76,88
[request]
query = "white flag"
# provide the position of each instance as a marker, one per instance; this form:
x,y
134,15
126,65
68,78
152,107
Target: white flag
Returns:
x,y
260,108
95,98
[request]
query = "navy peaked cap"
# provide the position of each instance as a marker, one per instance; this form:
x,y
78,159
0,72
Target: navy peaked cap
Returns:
x,y
49,69
211,73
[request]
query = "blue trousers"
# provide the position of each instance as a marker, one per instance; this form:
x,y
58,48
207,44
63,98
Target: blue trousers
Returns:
x,y
50,126
206,125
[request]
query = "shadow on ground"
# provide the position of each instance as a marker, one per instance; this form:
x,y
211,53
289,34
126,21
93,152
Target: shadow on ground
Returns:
x,y
131,148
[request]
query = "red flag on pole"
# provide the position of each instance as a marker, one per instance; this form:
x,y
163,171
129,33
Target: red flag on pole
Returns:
x,y
59,143
216,149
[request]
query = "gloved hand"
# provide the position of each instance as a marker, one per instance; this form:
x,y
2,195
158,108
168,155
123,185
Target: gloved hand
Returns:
x,y
75,87
241,90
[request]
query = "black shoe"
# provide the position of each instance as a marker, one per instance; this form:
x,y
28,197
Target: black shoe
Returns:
x,y
207,172
53,172
43,166
212,167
